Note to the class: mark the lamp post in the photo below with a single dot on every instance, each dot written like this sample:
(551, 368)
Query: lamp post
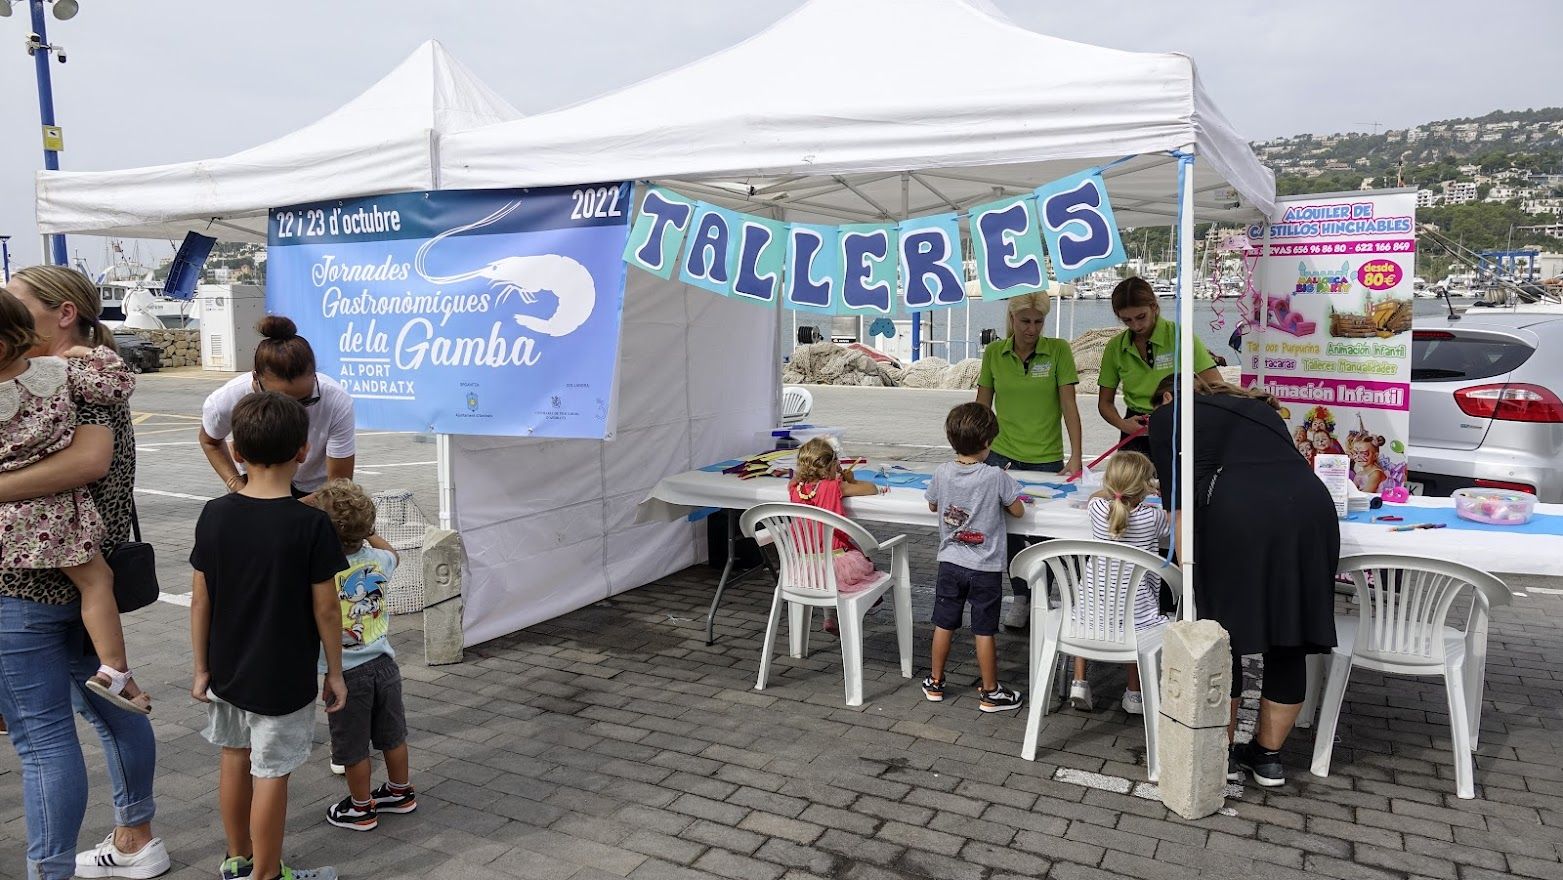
(39, 48)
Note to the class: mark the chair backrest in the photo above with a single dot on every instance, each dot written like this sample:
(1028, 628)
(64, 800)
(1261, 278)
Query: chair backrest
(796, 403)
(803, 537)
(1403, 604)
(1096, 582)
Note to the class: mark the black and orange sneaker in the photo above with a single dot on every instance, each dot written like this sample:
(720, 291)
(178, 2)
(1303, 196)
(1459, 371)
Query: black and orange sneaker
(393, 800)
(933, 690)
(354, 817)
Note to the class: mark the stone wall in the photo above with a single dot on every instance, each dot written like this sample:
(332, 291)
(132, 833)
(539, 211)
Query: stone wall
(181, 348)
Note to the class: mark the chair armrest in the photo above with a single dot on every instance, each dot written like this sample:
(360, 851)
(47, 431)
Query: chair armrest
(891, 543)
(762, 537)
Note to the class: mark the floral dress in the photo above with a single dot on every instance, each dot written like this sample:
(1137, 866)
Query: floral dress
(37, 419)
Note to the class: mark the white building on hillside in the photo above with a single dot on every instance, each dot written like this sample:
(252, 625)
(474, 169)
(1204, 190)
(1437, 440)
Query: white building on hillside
(1459, 192)
(1426, 198)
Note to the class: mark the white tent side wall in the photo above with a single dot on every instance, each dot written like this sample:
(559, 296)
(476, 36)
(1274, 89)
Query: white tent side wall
(549, 525)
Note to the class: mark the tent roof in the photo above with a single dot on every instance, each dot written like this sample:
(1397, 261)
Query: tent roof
(820, 114)
(382, 141)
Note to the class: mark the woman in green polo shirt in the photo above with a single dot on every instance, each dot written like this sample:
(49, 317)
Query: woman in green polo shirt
(1029, 380)
(1139, 358)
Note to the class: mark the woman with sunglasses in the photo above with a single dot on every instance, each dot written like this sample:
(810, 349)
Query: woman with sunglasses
(285, 363)
(1139, 358)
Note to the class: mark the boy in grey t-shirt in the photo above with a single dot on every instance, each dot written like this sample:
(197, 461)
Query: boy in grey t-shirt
(971, 499)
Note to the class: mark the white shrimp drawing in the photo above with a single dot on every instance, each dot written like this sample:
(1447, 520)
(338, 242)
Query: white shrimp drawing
(567, 280)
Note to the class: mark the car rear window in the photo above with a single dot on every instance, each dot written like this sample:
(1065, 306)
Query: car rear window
(1441, 356)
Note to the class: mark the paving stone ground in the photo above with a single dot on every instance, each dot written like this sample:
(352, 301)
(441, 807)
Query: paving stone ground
(612, 742)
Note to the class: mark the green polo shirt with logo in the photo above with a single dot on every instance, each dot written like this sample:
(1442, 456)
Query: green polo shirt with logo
(1025, 397)
(1122, 364)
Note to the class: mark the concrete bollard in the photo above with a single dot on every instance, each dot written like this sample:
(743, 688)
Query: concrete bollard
(1196, 682)
(443, 557)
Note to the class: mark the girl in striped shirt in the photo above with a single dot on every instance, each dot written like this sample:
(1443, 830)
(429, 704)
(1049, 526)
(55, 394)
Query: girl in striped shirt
(1118, 513)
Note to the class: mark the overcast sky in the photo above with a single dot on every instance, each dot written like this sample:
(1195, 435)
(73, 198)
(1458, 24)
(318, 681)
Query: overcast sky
(155, 81)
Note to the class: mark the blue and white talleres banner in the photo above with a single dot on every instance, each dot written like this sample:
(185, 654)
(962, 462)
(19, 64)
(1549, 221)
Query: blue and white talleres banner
(877, 269)
(461, 311)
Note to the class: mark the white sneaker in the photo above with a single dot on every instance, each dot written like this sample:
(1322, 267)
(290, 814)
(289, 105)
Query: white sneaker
(338, 769)
(1018, 614)
(1080, 695)
(1133, 703)
(106, 860)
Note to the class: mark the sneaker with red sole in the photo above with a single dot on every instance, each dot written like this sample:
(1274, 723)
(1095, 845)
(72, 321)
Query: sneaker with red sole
(346, 814)
(389, 800)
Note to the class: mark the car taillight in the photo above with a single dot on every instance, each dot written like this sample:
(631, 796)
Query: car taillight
(1430, 335)
(1500, 484)
(1510, 403)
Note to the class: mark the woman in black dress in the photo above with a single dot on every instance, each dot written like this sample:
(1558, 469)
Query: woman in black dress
(1268, 544)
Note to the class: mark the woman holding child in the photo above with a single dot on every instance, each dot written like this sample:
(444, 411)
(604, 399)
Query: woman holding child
(43, 666)
(1268, 544)
(1029, 381)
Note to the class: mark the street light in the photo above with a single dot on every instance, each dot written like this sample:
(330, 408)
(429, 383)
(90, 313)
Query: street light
(39, 48)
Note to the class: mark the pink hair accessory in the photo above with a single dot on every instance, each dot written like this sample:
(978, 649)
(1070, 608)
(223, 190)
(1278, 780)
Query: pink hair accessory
(1396, 494)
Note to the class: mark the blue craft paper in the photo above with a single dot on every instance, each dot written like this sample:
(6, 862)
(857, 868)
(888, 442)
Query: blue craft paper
(1078, 226)
(710, 259)
(1540, 524)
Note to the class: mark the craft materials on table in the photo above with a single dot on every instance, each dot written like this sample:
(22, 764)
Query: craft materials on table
(1449, 518)
(1498, 507)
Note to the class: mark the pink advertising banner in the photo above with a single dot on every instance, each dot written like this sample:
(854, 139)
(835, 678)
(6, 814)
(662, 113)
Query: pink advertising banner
(1330, 314)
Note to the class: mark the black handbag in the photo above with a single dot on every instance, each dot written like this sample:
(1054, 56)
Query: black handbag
(135, 569)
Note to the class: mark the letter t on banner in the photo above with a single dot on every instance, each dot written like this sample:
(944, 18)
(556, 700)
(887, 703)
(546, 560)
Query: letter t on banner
(869, 262)
(1077, 222)
(1007, 247)
(655, 240)
(931, 273)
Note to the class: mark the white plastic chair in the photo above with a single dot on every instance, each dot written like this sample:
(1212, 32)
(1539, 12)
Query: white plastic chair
(1401, 627)
(797, 403)
(1101, 629)
(803, 536)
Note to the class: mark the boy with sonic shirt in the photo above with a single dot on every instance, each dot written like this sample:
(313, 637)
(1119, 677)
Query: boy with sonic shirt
(263, 595)
(374, 712)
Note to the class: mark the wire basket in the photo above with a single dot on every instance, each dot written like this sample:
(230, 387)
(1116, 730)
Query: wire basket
(400, 521)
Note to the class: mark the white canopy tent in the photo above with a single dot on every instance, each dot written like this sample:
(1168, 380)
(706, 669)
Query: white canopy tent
(385, 140)
(846, 110)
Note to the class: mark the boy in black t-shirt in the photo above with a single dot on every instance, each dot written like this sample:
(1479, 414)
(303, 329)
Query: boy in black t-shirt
(264, 595)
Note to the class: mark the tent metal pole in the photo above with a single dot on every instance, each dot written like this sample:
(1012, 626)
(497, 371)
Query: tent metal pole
(1264, 300)
(447, 484)
(1186, 549)
(906, 203)
(966, 344)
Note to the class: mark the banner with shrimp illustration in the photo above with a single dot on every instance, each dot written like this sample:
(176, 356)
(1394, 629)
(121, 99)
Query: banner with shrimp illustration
(461, 311)
(1329, 318)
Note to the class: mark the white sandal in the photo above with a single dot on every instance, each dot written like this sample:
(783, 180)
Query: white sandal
(114, 691)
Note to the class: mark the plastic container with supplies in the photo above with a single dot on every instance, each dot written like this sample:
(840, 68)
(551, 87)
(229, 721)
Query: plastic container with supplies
(782, 438)
(805, 433)
(1496, 507)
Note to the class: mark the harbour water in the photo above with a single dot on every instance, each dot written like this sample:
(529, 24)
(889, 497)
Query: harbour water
(1214, 321)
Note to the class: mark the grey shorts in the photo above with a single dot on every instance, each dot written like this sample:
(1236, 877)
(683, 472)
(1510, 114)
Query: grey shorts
(278, 744)
(373, 714)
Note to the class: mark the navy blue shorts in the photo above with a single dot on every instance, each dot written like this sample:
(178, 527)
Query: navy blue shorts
(956, 587)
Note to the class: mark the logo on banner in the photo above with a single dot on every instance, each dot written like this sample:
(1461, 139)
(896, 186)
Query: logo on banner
(525, 277)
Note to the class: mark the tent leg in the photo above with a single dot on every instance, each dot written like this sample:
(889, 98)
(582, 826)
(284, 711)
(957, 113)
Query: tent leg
(447, 485)
(1185, 258)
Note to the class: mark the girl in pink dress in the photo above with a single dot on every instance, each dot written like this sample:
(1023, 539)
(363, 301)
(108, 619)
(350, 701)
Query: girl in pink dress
(64, 531)
(820, 481)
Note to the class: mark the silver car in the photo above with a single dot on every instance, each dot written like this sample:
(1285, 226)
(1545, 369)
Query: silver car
(1487, 403)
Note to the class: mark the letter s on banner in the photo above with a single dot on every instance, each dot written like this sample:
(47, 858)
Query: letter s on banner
(658, 233)
(813, 268)
(931, 271)
(1007, 247)
(1077, 222)
(869, 262)
(710, 249)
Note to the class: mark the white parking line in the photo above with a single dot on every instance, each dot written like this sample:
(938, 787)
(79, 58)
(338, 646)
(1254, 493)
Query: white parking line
(172, 494)
(175, 598)
(1548, 590)
(405, 464)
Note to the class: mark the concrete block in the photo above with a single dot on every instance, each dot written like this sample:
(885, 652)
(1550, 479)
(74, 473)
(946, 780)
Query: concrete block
(1196, 674)
(1193, 768)
(443, 558)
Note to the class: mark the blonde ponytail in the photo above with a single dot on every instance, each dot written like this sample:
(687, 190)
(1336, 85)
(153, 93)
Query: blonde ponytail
(1127, 482)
